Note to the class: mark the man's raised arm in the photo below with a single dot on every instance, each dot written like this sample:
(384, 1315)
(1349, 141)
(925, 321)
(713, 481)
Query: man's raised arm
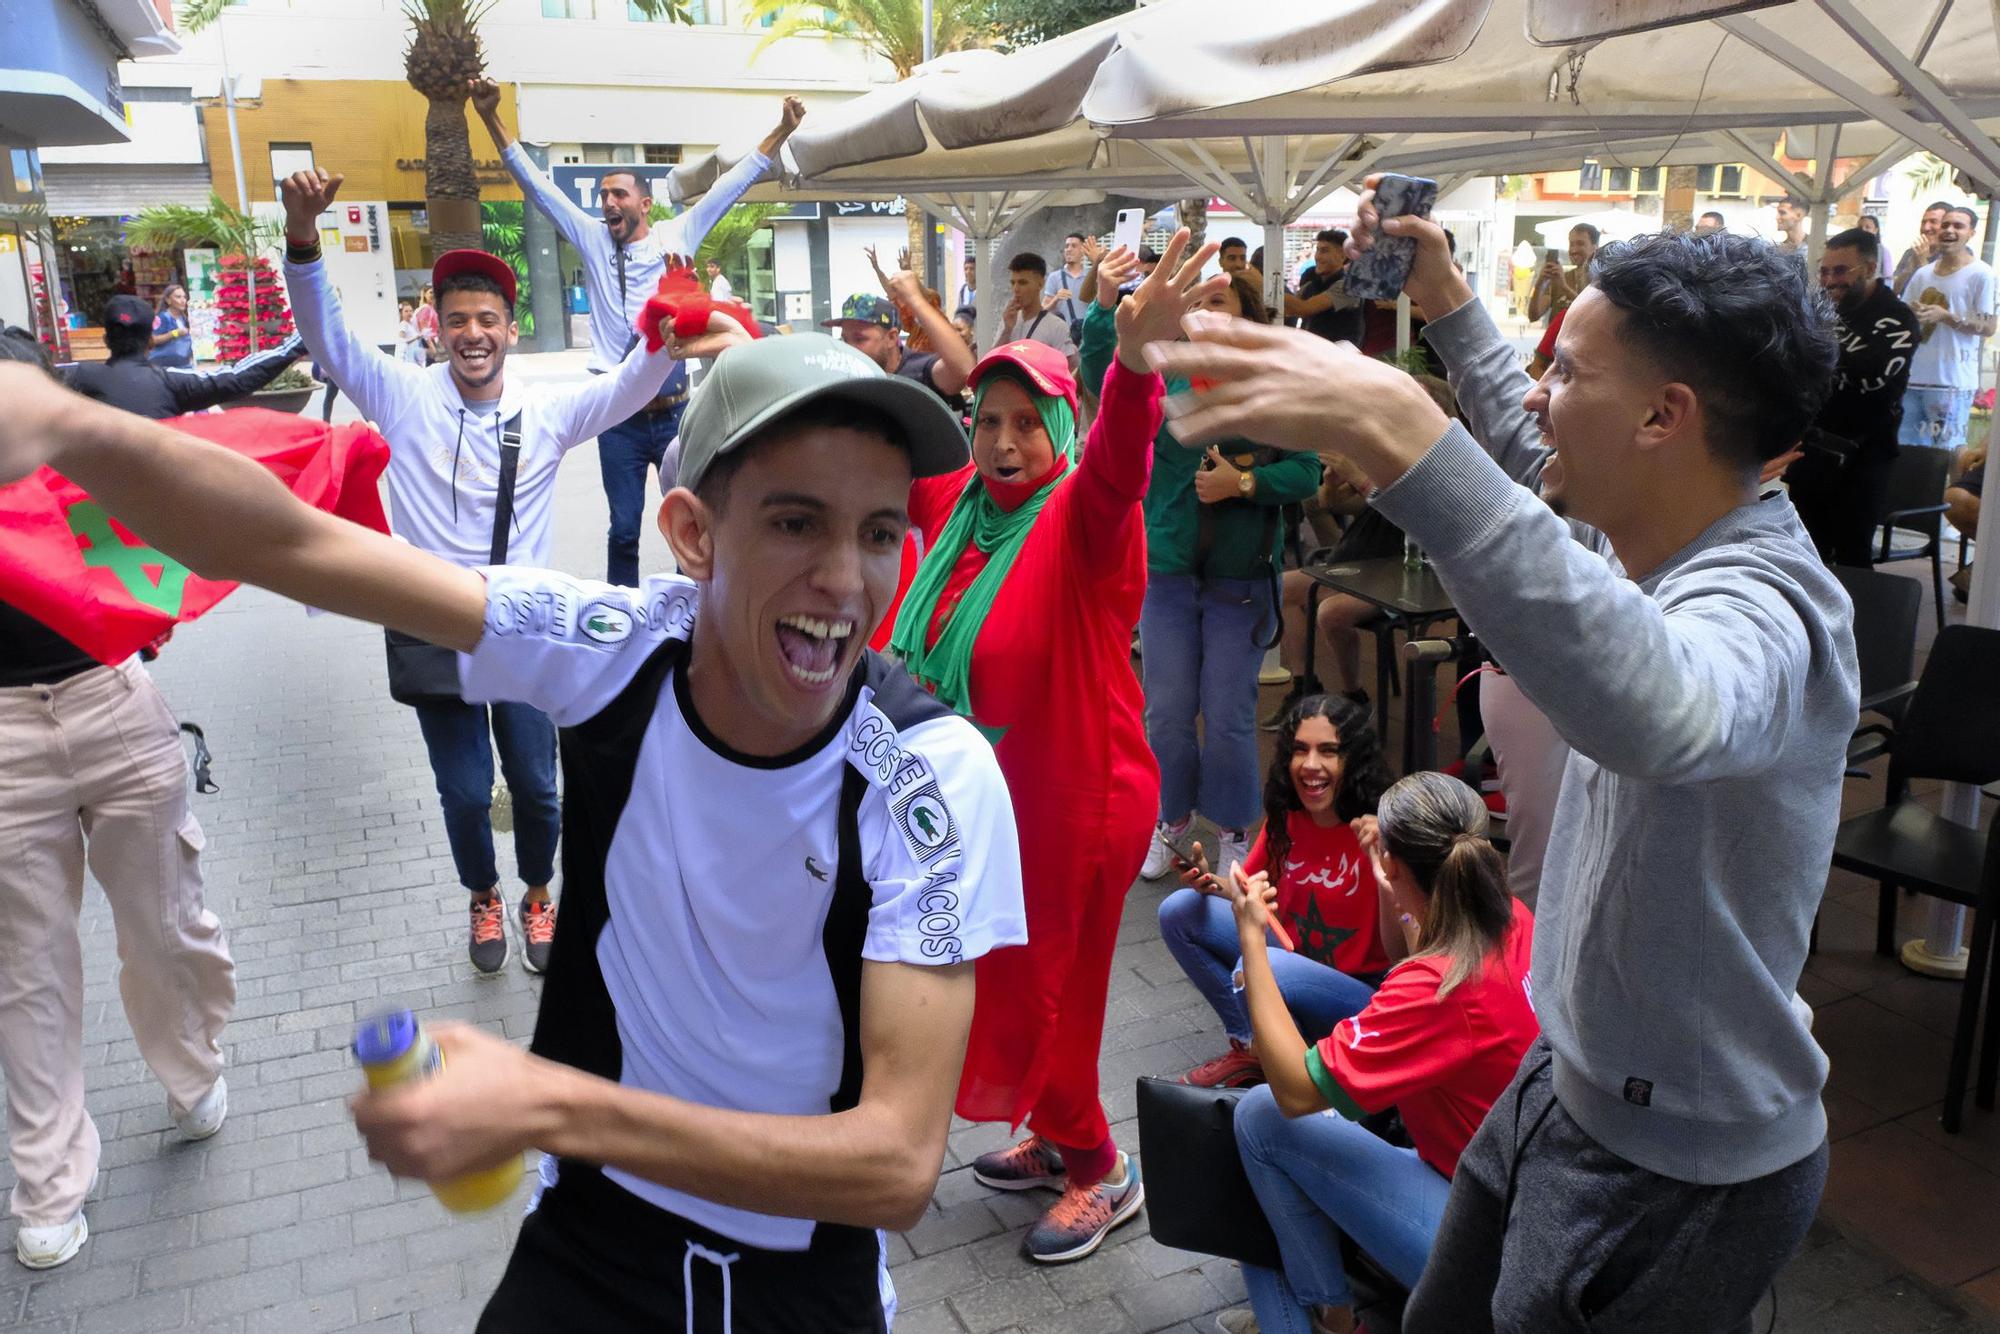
(683, 235)
(568, 216)
(225, 517)
(378, 383)
(1484, 369)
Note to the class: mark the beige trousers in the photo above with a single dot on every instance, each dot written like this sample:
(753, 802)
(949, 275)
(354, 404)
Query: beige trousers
(92, 770)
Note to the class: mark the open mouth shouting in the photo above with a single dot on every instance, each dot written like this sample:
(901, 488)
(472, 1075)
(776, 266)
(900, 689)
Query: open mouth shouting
(811, 648)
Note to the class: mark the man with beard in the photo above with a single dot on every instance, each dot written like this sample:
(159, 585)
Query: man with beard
(1840, 486)
(624, 255)
(472, 470)
(1923, 250)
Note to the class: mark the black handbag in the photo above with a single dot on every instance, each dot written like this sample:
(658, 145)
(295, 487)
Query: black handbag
(421, 672)
(1197, 1196)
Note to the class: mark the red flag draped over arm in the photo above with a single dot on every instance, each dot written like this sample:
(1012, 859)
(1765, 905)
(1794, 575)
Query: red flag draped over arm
(68, 564)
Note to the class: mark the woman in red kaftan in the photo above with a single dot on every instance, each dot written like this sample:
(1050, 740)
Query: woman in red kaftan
(1043, 665)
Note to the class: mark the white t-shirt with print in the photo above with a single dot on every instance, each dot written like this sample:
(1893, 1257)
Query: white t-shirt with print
(722, 865)
(1949, 358)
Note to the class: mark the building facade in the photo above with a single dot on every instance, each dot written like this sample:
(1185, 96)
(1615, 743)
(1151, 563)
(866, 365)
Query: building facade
(60, 87)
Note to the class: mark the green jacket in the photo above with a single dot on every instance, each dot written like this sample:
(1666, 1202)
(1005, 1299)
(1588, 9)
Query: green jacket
(1245, 536)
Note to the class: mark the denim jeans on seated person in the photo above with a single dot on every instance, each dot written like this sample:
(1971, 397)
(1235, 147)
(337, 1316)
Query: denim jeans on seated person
(1200, 932)
(1320, 1176)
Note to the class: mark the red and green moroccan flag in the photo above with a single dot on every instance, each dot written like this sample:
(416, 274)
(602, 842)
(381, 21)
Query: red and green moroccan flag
(80, 572)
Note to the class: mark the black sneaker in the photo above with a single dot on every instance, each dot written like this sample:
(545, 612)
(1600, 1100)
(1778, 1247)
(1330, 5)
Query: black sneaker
(488, 948)
(538, 933)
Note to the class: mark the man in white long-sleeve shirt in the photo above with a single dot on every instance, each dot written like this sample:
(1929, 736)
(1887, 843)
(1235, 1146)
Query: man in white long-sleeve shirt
(623, 257)
(459, 436)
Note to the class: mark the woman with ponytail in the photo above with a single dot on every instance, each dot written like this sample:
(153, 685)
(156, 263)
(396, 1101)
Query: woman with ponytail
(1020, 616)
(1439, 1041)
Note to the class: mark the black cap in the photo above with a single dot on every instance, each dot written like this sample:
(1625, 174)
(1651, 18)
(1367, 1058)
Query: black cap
(128, 312)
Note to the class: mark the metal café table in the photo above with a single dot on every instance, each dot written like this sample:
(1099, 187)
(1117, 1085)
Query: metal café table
(1411, 600)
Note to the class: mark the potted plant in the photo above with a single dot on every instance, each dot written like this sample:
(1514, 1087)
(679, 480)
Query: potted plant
(290, 392)
(249, 283)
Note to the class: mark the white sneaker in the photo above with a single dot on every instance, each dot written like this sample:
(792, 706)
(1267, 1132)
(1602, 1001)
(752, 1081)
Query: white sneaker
(206, 1116)
(1159, 856)
(1231, 847)
(47, 1247)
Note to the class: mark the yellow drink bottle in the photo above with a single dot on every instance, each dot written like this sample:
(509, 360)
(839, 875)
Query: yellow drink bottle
(393, 1048)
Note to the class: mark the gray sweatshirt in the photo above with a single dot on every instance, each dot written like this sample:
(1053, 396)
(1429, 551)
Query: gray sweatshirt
(1707, 707)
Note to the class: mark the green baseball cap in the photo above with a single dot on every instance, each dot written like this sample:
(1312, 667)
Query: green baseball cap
(753, 384)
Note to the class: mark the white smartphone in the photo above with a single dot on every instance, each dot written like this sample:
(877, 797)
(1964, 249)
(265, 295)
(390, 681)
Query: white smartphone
(1131, 229)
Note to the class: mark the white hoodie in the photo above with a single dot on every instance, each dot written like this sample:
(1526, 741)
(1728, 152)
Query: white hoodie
(444, 457)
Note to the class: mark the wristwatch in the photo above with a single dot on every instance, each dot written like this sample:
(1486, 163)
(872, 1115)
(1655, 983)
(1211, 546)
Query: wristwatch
(1246, 483)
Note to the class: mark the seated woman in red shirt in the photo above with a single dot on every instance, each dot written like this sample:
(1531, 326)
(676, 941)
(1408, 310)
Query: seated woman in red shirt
(1439, 1042)
(1326, 771)
(1020, 617)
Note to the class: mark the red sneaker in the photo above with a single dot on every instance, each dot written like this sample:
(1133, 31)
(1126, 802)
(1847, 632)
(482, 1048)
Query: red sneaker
(1237, 1068)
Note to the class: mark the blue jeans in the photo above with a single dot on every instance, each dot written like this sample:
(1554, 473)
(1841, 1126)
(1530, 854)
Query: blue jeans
(462, 762)
(1197, 640)
(624, 453)
(1317, 1177)
(1200, 931)
(1935, 418)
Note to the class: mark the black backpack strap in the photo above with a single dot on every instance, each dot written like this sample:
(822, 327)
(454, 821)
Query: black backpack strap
(503, 505)
(845, 932)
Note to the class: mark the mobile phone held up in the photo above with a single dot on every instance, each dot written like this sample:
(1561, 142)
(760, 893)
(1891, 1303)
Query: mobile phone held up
(1131, 229)
(1378, 273)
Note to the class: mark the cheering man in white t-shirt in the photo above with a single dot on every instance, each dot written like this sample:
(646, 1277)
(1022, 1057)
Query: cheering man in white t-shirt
(780, 855)
(1953, 298)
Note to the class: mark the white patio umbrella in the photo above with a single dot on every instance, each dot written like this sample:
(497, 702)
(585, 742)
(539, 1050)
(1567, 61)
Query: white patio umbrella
(1613, 224)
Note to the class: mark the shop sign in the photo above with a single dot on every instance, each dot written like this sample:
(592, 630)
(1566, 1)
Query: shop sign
(812, 210)
(578, 181)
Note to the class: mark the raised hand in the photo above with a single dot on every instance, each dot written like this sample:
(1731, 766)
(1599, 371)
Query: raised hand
(1114, 270)
(1093, 249)
(1154, 310)
(485, 97)
(902, 285)
(307, 194)
(1432, 272)
(788, 120)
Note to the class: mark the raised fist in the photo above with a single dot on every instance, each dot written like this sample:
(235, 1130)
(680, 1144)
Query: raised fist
(307, 194)
(485, 97)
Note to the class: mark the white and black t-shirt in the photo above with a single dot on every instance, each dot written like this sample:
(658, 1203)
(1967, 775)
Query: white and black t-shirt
(731, 899)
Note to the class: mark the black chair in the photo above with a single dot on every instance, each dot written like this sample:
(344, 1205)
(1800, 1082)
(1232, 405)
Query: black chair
(1916, 505)
(1886, 607)
(1950, 732)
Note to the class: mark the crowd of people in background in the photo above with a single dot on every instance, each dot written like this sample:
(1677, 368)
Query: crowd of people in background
(1083, 541)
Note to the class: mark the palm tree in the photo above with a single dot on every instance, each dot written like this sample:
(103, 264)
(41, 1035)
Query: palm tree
(442, 58)
(892, 29)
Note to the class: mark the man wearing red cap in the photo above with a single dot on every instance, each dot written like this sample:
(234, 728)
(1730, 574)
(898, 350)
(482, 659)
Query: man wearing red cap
(472, 467)
(1020, 617)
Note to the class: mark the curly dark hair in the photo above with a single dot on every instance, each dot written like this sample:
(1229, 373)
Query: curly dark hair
(1734, 320)
(1362, 780)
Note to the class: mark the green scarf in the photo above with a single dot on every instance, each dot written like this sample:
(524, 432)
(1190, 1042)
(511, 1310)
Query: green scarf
(946, 667)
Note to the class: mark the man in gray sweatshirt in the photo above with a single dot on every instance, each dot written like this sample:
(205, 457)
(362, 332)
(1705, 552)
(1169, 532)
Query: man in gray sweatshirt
(1662, 1151)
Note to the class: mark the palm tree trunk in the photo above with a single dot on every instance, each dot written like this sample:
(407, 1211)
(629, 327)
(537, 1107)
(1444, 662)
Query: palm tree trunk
(1193, 215)
(451, 189)
(920, 227)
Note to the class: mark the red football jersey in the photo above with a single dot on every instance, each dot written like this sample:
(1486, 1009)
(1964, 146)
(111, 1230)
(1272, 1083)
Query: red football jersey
(1327, 897)
(1442, 1061)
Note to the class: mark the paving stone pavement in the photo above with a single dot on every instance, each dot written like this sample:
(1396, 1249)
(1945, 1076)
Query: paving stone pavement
(326, 860)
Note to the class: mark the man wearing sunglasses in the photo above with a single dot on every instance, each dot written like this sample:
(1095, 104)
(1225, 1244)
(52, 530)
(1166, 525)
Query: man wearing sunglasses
(1841, 485)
